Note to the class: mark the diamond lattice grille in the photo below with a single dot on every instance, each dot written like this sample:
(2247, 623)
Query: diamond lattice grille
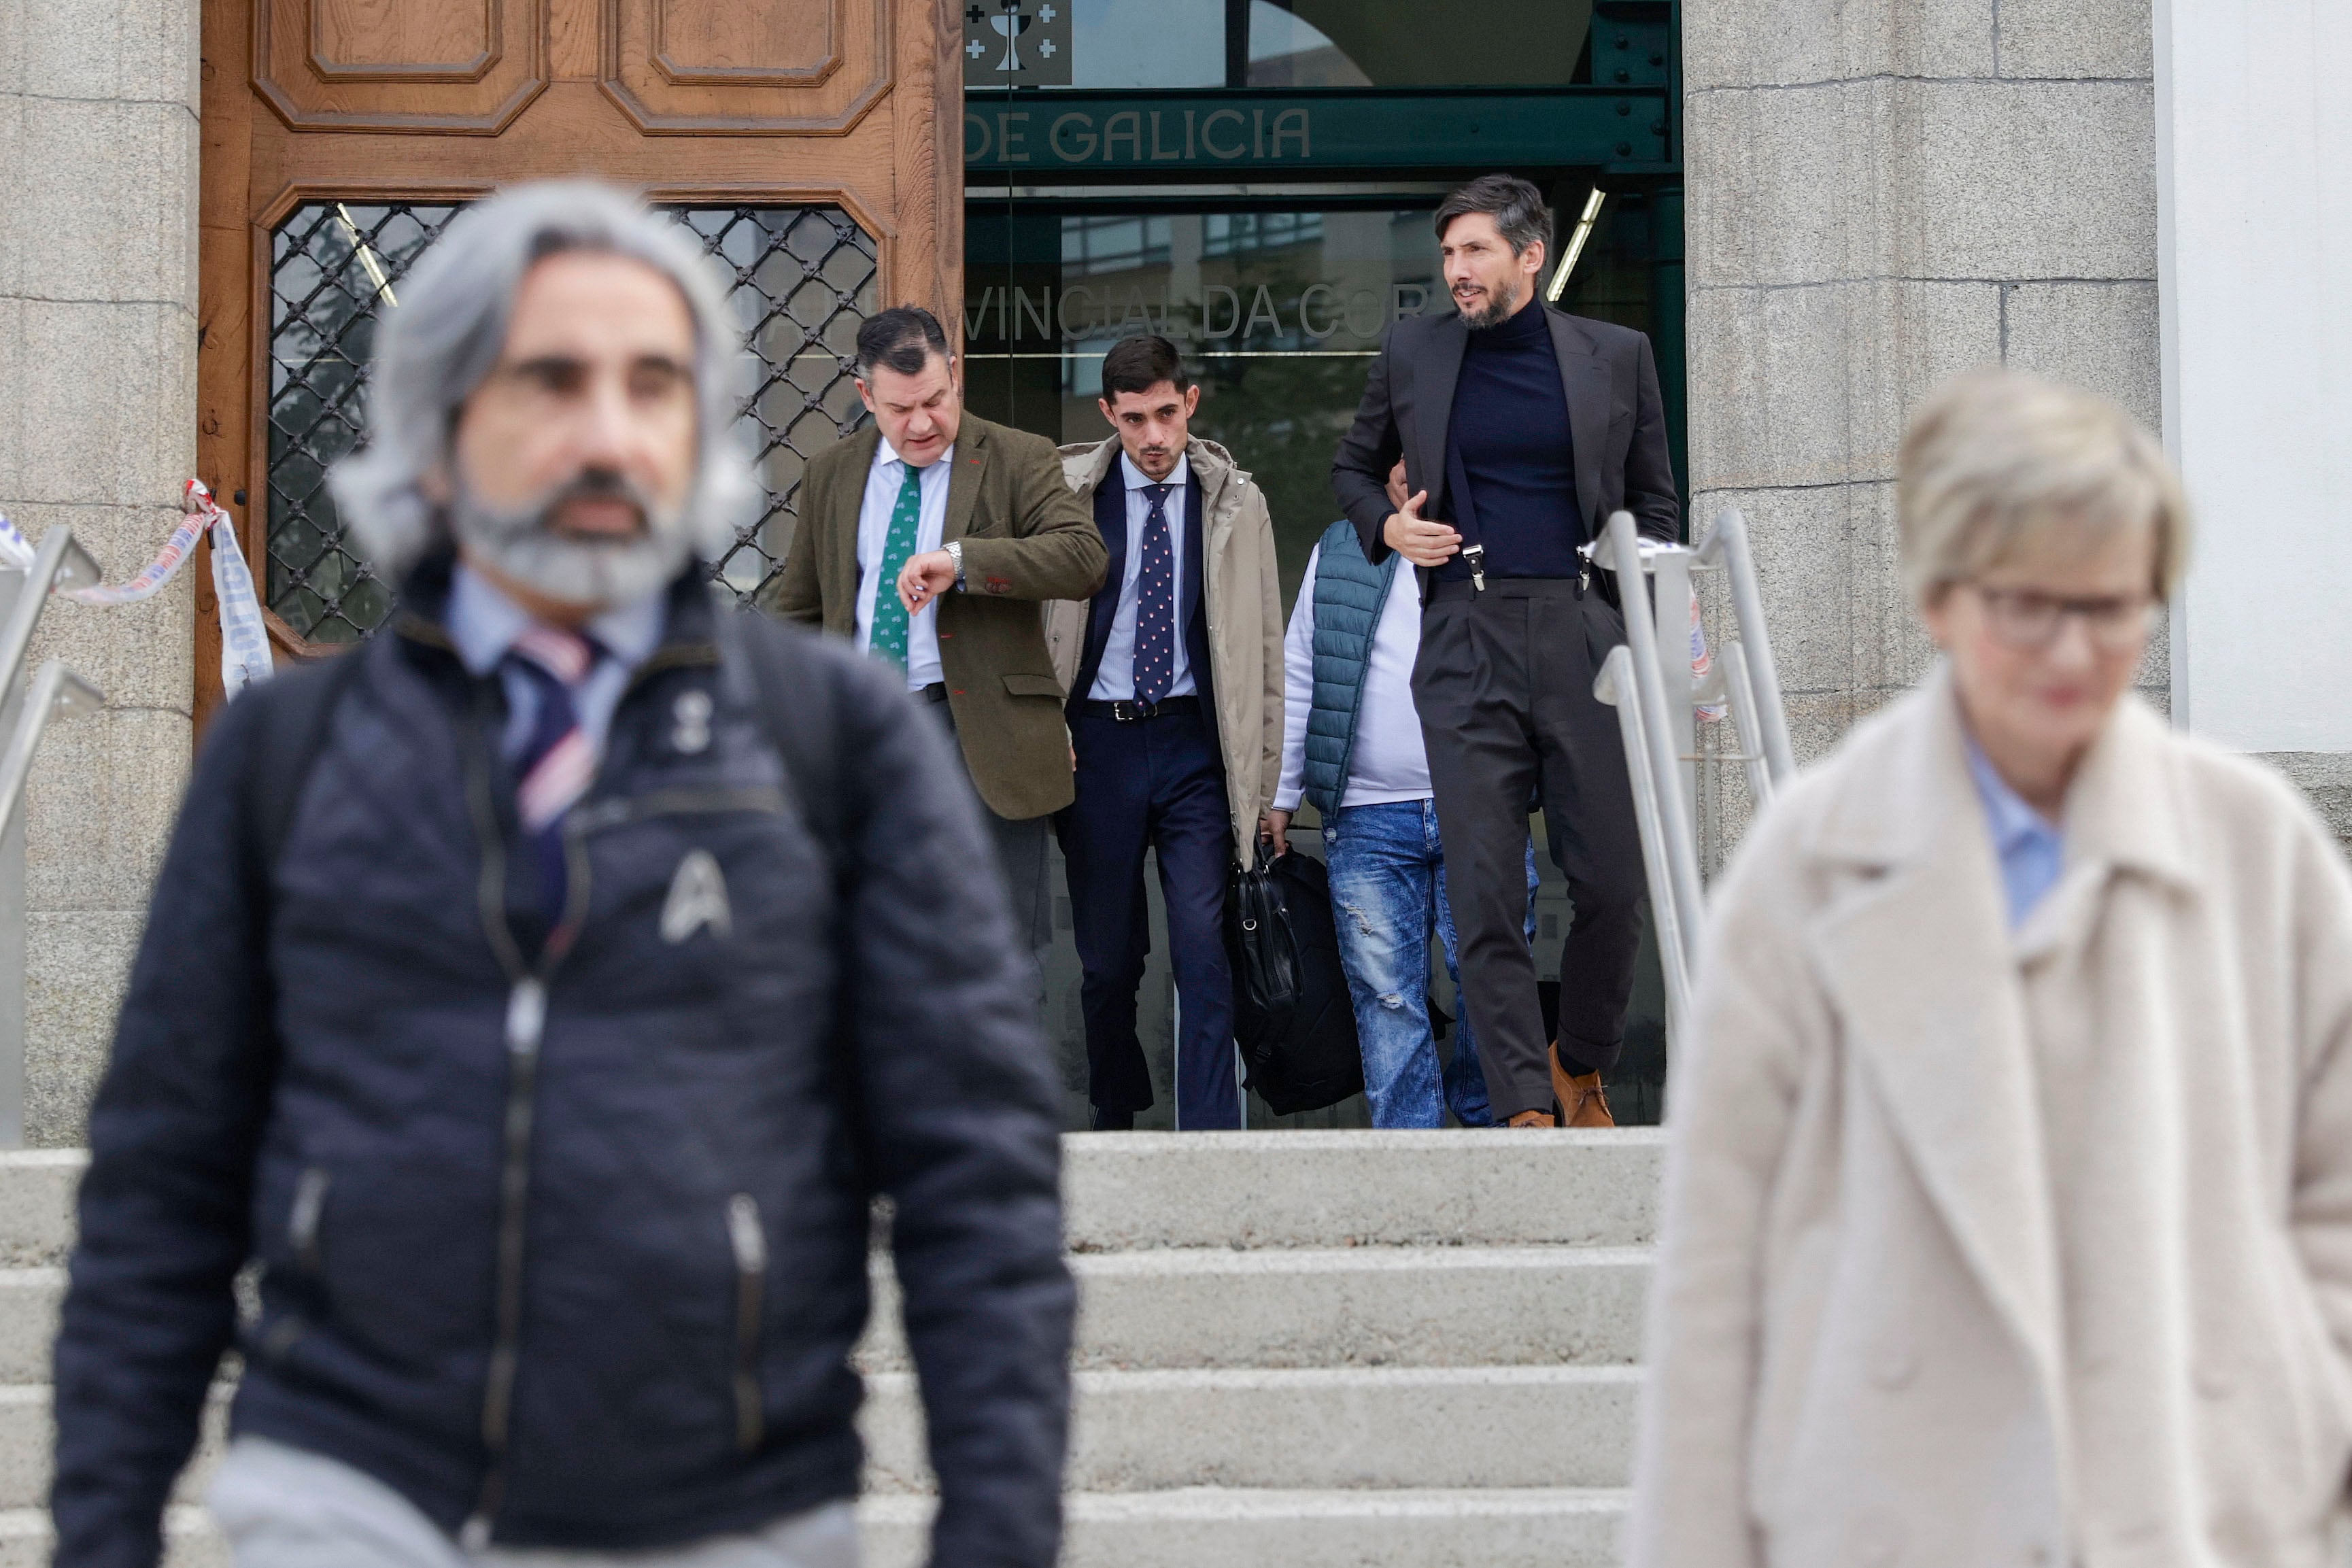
(802, 280)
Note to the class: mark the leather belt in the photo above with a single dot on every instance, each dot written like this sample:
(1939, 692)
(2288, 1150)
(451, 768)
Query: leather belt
(1129, 713)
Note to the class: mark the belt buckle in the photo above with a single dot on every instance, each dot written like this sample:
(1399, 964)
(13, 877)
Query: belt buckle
(1126, 712)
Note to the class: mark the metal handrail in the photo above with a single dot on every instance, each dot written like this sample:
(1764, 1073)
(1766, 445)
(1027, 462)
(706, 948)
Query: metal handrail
(1740, 689)
(57, 693)
(1675, 950)
(60, 562)
(1727, 545)
(1656, 702)
(1673, 812)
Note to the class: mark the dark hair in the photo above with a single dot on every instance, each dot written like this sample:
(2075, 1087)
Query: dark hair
(1517, 207)
(1138, 364)
(903, 338)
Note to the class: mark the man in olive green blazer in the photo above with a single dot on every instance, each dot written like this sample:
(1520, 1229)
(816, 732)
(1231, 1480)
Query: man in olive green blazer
(931, 538)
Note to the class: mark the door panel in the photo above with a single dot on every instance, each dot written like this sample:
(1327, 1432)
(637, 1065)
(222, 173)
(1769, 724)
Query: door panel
(468, 66)
(361, 41)
(798, 139)
(723, 68)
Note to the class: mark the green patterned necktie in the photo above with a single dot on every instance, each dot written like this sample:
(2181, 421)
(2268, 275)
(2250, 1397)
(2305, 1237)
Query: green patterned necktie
(887, 637)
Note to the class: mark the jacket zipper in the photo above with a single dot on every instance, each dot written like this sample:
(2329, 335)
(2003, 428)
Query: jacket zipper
(525, 1025)
(302, 1220)
(750, 1244)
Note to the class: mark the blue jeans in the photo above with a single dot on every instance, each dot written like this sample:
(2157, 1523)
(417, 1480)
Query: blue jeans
(1388, 877)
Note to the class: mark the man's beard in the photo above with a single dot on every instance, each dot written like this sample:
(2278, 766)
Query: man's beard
(601, 571)
(1493, 313)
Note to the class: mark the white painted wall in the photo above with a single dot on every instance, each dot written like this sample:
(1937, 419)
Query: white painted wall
(2255, 260)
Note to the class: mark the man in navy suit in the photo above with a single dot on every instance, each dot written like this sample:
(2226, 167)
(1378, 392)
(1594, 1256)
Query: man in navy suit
(1174, 674)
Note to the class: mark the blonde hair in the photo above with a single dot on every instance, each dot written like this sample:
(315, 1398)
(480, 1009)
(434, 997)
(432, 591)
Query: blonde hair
(1997, 457)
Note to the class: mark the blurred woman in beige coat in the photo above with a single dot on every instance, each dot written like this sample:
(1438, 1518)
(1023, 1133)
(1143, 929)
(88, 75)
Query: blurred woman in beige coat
(2009, 1213)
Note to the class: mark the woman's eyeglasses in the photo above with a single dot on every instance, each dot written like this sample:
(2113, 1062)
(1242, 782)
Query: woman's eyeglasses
(2029, 619)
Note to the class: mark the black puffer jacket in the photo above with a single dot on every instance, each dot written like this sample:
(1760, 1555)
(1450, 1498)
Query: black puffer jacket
(567, 1231)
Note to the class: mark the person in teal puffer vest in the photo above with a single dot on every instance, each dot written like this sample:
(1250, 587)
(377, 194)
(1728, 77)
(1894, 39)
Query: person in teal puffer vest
(1351, 744)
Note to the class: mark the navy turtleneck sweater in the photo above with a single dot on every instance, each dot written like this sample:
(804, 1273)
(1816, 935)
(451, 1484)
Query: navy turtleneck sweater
(1509, 461)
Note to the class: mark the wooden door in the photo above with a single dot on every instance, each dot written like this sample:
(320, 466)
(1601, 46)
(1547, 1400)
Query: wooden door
(809, 142)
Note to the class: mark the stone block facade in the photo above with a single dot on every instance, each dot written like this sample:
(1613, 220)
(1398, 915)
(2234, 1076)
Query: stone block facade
(1882, 194)
(98, 351)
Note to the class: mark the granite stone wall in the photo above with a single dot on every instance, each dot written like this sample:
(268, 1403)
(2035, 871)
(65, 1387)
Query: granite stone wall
(98, 348)
(1882, 193)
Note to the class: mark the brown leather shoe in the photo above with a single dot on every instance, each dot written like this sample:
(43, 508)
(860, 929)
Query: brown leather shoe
(1534, 1119)
(1582, 1101)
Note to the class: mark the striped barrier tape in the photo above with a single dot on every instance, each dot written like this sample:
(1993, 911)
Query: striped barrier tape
(245, 641)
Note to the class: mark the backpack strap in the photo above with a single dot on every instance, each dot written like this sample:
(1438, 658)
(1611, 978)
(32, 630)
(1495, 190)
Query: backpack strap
(303, 709)
(796, 700)
(796, 703)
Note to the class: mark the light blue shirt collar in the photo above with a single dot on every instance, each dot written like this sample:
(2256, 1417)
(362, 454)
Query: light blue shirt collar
(484, 624)
(2029, 847)
(1178, 477)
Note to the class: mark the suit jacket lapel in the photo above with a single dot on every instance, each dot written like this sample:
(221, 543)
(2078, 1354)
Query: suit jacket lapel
(1433, 381)
(1587, 382)
(1919, 965)
(1189, 588)
(971, 459)
(837, 530)
(1110, 521)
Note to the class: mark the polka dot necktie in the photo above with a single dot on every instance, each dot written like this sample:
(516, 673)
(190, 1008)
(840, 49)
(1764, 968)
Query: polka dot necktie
(887, 639)
(1155, 603)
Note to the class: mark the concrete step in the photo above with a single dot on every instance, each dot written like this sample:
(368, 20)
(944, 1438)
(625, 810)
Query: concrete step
(1124, 1190)
(1198, 1307)
(191, 1538)
(1196, 1527)
(26, 1435)
(1310, 1429)
(1366, 1306)
(1155, 1431)
(1148, 1431)
(28, 1321)
(37, 1194)
(1217, 1527)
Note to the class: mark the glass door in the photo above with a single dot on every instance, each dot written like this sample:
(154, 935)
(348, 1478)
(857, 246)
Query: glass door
(1254, 180)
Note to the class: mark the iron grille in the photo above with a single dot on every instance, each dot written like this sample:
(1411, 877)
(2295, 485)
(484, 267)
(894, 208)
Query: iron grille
(802, 280)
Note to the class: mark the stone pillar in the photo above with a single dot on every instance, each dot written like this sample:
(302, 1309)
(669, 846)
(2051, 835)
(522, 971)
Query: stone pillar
(98, 348)
(1882, 192)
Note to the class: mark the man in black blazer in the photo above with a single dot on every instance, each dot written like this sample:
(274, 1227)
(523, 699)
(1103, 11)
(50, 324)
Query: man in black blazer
(1523, 429)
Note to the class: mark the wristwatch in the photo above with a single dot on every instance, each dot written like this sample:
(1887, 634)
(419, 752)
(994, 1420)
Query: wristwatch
(955, 554)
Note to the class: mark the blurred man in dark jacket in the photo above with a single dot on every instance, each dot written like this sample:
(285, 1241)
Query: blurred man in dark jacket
(540, 994)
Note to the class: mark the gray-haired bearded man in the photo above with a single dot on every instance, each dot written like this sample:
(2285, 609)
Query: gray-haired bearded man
(540, 994)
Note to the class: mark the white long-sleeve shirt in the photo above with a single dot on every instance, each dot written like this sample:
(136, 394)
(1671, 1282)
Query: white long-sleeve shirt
(1388, 762)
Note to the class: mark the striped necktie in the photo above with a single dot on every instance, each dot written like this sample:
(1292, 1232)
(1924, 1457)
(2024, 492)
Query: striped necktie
(557, 764)
(887, 635)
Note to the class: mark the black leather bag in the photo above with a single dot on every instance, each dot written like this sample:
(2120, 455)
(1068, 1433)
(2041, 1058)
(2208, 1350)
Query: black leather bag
(1292, 1014)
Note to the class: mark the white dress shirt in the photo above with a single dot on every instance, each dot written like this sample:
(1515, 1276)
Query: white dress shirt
(1388, 762)
(883, 481)
(1115, 677)
(484, 624)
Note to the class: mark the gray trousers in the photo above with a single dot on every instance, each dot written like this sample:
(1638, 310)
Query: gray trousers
(1504, 686)
(287, 1508)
